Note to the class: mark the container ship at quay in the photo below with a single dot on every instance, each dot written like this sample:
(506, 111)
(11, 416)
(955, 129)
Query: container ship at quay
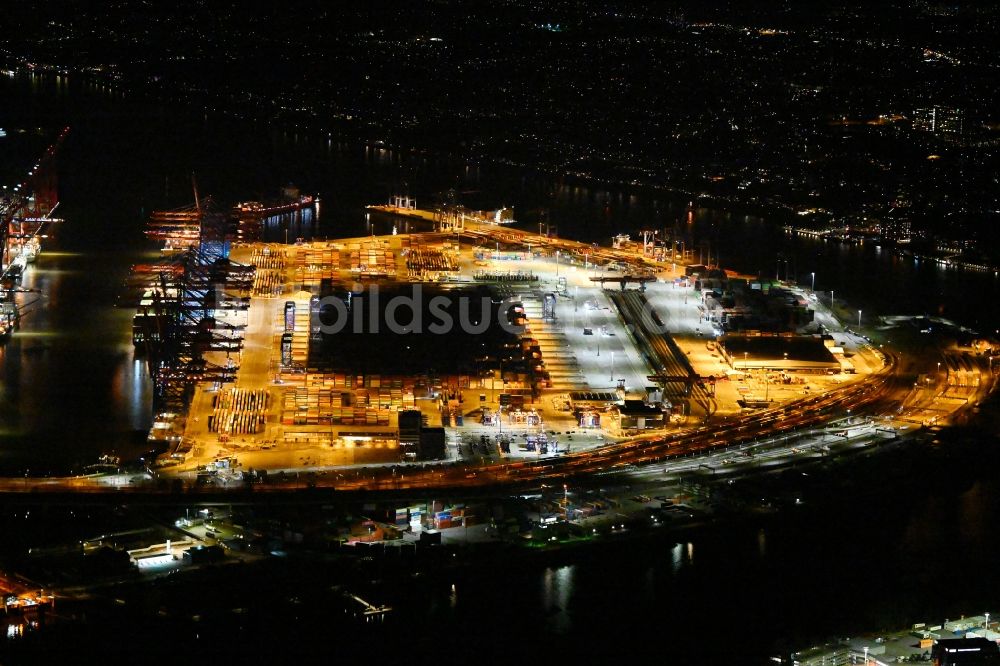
(26, 219)
(291, 209)
(260, 210)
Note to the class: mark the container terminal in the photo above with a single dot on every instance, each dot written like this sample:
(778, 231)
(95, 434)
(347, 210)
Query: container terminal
(613, 387)
(593, 357)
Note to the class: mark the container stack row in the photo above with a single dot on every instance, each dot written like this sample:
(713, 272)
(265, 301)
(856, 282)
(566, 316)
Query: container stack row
(372, 258)
(313, 264)
(308, 405)
(239, 411)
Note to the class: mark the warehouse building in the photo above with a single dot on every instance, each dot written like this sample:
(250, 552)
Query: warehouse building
(786, 353)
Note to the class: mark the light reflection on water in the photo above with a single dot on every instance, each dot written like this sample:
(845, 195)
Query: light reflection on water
(299, 224)
(71, 386)
(676, 557)
(557, 594)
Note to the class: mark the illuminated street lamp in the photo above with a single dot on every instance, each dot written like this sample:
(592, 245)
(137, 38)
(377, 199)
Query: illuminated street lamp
(859, 318)
(557, 263)
(499, 407)
(785, 367)
(813, 287)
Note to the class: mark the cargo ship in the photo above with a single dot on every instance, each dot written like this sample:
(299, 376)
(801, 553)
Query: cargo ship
(251, 216)
(291, 201)
(256, 209)
(26, 210)
(21, 255)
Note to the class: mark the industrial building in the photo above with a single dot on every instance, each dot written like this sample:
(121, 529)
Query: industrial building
(733, 303)
(417, 440)
(956, 651)
(786, 353)
(637, 415)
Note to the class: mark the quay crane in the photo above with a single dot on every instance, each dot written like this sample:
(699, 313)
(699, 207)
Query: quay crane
(187, 302)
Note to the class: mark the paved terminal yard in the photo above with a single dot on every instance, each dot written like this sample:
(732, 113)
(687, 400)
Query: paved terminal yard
(283, 414)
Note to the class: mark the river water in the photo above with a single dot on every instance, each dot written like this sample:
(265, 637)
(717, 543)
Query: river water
(72, 387)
